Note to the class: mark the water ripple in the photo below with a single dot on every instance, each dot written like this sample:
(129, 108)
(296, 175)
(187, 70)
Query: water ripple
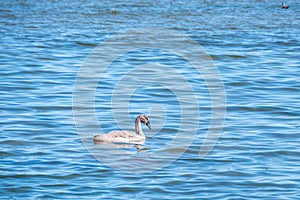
(43, 45)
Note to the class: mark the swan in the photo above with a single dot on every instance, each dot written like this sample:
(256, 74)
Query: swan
(284, 6)
(126, 136)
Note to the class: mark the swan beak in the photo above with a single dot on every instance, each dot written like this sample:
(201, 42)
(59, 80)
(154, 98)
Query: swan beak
(148, 124)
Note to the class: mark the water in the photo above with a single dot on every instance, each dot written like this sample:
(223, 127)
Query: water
(256, 47)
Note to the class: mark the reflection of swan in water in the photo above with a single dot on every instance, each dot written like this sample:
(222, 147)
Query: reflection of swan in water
(126, 136)
(124, 146)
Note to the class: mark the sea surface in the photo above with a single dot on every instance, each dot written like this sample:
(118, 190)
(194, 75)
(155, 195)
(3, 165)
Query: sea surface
(50, 107)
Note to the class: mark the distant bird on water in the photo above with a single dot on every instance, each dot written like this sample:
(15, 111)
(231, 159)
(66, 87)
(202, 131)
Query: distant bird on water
(126, 136)
(284, 6)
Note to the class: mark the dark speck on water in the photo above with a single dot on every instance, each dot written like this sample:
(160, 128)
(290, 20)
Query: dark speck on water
(256, 47)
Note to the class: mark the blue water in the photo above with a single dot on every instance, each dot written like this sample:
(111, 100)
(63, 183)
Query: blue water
(256, 48)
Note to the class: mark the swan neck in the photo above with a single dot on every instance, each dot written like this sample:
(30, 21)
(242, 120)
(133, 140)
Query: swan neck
(138, 127)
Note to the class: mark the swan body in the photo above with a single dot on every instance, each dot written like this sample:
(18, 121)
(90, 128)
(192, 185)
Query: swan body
(126, 136)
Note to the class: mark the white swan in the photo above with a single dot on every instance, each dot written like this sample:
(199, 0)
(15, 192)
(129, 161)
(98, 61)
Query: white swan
(126, 136)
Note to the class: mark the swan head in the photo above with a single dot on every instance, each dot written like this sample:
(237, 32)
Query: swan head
(145, 120)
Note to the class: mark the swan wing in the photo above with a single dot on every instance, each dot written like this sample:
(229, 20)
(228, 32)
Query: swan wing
(121, 134)
(125, 137)
(120, 137)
